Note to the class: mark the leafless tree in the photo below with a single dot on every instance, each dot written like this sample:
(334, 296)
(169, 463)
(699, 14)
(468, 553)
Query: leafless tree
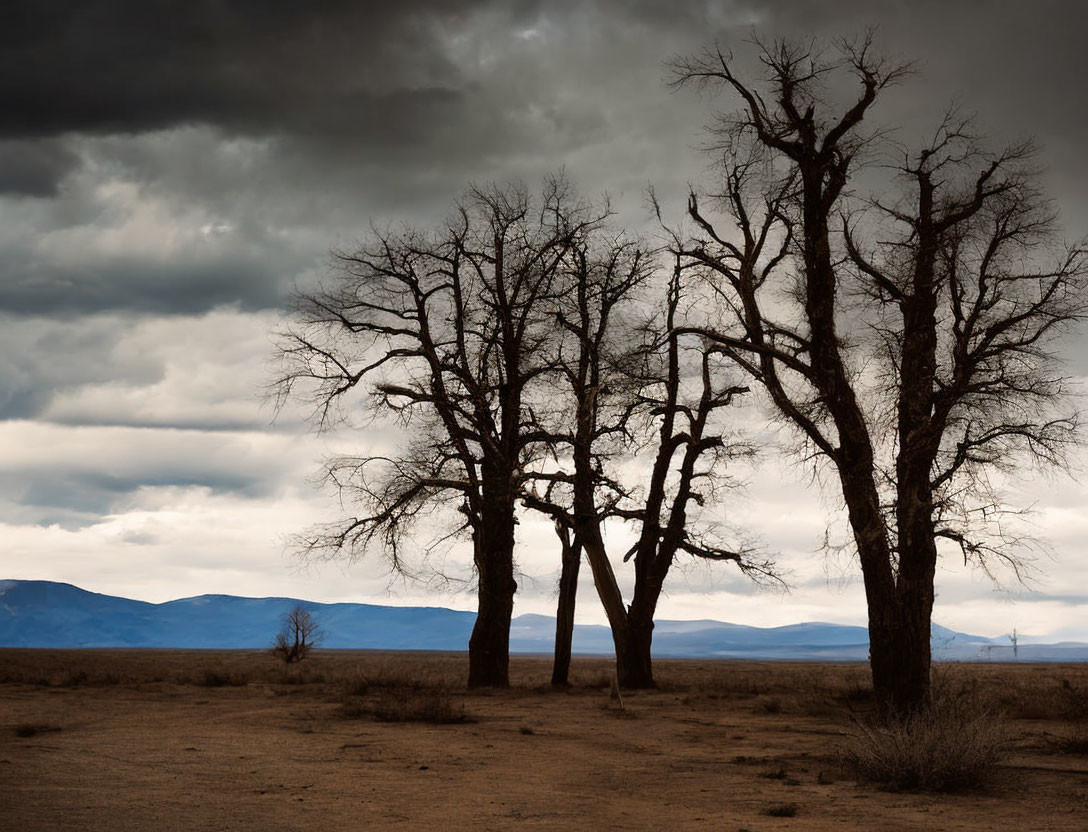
(592, 412)
(963, 290)
(448, 330)
(665, 385)
(299, 635)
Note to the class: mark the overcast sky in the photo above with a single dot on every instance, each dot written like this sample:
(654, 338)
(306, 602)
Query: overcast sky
(169, 171)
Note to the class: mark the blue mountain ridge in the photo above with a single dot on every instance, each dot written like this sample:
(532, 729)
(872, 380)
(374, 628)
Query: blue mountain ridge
(59, 615)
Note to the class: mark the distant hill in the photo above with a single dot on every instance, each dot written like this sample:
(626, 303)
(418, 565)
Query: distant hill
(49, 614)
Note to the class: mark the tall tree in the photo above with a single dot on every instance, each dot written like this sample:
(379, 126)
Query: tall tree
(659, 393)
(447, 331)
(965, 292)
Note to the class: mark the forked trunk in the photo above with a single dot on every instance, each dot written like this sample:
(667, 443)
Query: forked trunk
(608, 590)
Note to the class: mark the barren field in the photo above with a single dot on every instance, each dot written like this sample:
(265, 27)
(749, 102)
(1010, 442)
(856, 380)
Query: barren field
(148, 740)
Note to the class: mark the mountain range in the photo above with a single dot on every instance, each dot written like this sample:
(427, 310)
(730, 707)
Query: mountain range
(59, 615)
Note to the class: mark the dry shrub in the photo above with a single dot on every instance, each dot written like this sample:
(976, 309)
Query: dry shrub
(1075, 710)
(32, 729)
(783, 810)
(401, 672)
(432, 705)
(355, 684)
(217, 678)
(402, 704)
(954, 743)
(772, 705)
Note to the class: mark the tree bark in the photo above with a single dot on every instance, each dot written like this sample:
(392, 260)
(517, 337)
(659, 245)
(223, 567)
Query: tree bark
(634, 665)
(899, 652)
(489, 646)
(564, 616)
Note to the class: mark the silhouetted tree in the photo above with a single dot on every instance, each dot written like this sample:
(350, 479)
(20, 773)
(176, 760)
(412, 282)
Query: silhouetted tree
(448, 330)
(964, 291)
(570, 566)
(299, 635)
(671, 390)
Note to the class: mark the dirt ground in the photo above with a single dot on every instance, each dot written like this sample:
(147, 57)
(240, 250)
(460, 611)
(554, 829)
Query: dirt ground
(150, 740)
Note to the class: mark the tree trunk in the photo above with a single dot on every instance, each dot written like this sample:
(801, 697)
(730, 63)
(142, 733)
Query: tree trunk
(905, 678)
(899, 654)
(634, 666)
(608, 590)
(564, 616)
(489, 646)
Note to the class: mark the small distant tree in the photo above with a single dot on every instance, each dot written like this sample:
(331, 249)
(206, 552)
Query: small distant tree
(298, 636)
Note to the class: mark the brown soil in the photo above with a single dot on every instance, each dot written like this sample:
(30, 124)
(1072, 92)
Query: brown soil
(149, 740)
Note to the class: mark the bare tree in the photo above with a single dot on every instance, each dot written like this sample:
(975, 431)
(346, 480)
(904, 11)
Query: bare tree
(570, 567)
(964, 292)
(448, 330)
(673, 389)
(594, 408)
(299, 635)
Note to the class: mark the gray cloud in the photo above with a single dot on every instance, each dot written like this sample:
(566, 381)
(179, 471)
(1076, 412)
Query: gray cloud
(128, 66)
(34, 168)
(73, 477)
(294, 125)
(169, 171)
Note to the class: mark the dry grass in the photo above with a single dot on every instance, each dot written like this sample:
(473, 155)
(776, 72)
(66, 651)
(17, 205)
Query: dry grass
(414, 705)
(782, 810)
(731, 744)
(955, 743)
(1073, 739)
(32, 729)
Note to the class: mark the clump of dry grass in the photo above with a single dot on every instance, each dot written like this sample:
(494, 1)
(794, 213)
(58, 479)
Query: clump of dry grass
(954, 743)
(1074, 740)
(433, 705)
(782, 810)
(32, 729)
(355, 683)
(387, 701)
(219, 678)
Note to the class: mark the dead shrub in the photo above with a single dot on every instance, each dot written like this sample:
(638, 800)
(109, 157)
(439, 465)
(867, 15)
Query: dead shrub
(356, 684)
(1074, 709)
(73, 679)
(783, 810)
(772, 705)
(215, 678)
(32, 729)
(402, 704)
(433, 705)
(954, 743)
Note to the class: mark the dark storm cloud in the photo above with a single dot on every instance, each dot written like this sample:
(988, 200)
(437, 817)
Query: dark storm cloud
(401, 78)
(250, 65)
(184, 285)
(347, 112)
(34, 168)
